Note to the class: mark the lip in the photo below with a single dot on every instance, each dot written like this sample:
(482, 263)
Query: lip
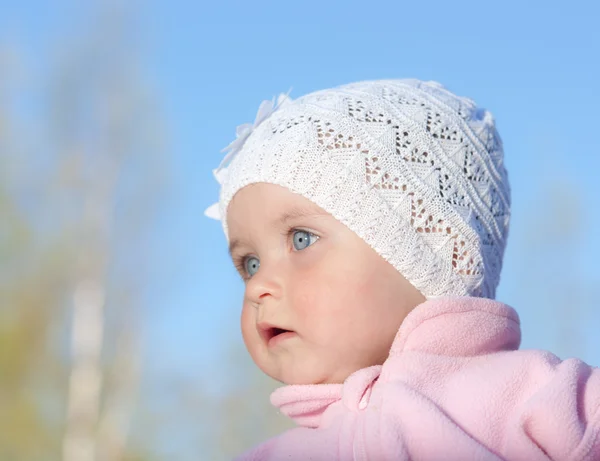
(272, 335)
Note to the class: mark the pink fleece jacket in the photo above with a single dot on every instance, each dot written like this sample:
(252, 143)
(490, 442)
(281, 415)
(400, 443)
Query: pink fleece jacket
(454, 387)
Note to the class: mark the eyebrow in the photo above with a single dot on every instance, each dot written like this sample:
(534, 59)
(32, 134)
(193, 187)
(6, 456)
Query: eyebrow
(295, 212)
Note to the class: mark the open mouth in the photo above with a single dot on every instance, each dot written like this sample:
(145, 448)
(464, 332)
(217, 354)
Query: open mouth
(274, 332)
(271, 334)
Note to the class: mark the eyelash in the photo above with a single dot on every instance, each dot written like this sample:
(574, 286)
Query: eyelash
(240, 261)
(240, 265)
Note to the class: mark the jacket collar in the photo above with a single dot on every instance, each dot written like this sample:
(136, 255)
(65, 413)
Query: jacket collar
(449, 326)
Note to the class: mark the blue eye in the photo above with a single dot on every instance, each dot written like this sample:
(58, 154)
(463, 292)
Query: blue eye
(251, 265)
(303, 239)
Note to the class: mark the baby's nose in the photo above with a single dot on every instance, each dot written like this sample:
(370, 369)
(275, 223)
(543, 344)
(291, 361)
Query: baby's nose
(264, 284)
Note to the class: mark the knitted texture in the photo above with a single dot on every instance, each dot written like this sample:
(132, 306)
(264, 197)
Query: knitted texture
(414, 170)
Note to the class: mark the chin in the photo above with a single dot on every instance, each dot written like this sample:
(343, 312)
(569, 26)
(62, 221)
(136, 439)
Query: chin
(295, 378)
(311, 378)
(307, 374)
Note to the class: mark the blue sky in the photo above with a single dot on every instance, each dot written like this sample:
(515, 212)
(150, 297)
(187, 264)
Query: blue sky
(533, 64)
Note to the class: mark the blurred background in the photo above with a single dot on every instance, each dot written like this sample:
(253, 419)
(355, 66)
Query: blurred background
(119, 307)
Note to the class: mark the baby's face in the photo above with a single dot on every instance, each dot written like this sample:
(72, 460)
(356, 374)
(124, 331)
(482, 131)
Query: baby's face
(319, 303)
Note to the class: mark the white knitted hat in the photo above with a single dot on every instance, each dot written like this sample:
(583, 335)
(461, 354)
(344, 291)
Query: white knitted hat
(414, 170)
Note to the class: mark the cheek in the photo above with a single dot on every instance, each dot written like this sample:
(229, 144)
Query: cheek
(325, 291)
(309, 296)
(344, 293)
(306, 298)
(248, 324)
(365, 276)
(347, 281)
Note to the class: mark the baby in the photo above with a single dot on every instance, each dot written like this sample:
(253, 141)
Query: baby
(369, 223)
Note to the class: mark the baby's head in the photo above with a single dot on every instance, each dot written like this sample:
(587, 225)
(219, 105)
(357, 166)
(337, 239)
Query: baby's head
(348, 207)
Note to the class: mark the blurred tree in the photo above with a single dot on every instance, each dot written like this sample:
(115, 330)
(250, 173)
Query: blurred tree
(74, 205)
(29, 296)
